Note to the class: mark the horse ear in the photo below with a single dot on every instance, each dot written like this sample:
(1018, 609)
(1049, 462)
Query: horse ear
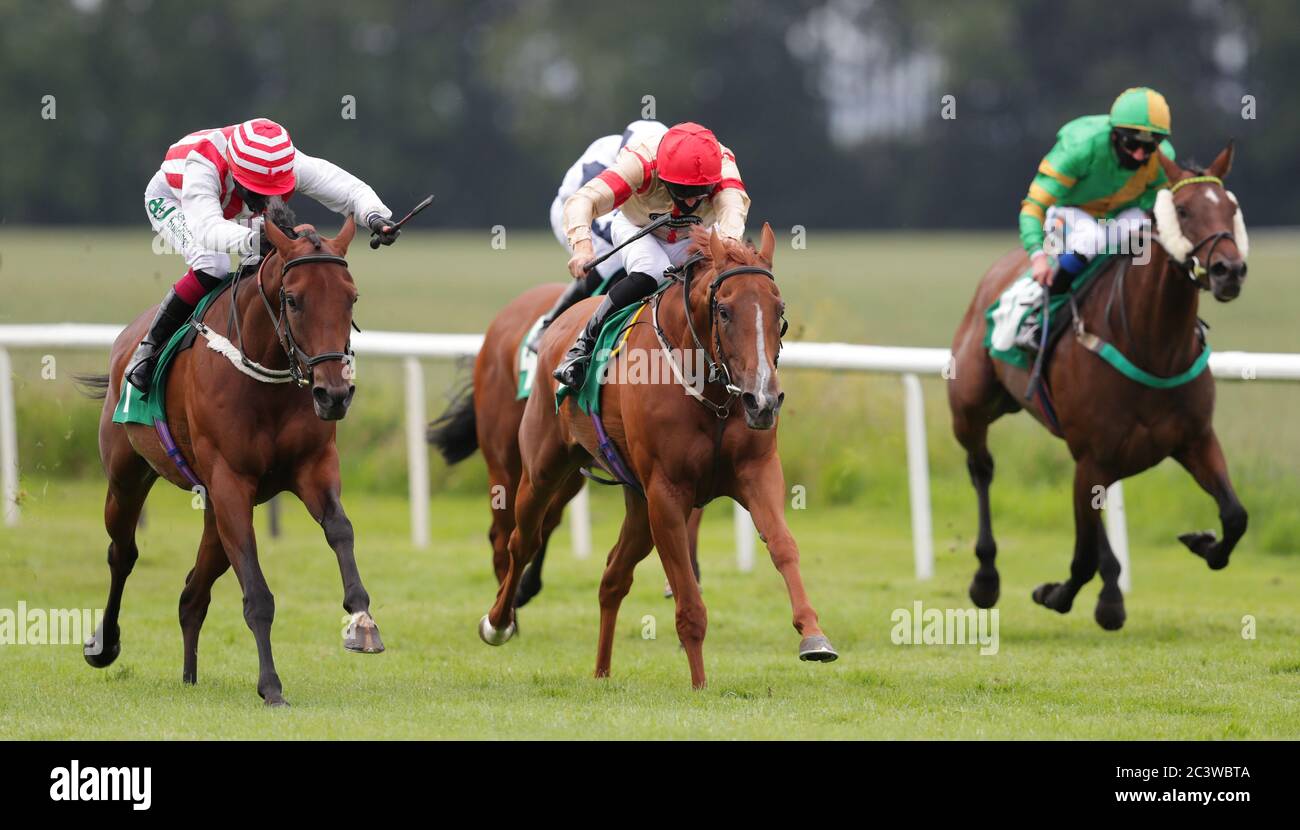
(276, 236)
(1223, 162)
(768, 246)
(717, 250)
(344, 238)
(1172, 171)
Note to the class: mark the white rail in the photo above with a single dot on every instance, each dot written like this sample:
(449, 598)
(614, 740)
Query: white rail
(910, 363)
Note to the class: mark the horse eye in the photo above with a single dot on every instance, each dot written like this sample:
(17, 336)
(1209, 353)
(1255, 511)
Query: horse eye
(1182, 212)
(724, 314)
(290, 301)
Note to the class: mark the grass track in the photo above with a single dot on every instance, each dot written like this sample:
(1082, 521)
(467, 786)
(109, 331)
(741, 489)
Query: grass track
(1180, 668)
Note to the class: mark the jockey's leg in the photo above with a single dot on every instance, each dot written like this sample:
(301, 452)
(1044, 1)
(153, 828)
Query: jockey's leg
(635, 287)
(643, 258)
(206, 268)
(1081, 238)
(1074, 237)
(175, 309)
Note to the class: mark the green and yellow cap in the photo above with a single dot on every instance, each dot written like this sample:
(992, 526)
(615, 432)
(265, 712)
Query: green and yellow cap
(1141, 108)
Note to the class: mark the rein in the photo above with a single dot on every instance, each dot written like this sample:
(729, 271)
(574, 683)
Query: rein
(300, 363)
(718, 369)
(1112, 355)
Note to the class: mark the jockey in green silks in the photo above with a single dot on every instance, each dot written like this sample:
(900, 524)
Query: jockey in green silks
(1094, 188)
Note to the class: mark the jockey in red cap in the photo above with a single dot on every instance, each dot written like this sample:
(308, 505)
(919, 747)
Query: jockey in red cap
(685, 173)
(207, 202)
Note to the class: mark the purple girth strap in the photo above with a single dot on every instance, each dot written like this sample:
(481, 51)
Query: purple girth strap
(613, 461)
(174, 452)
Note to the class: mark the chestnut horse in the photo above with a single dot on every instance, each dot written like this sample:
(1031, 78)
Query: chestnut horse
(682, 452)
(244, 440)
(486, 415)
(1114, 426)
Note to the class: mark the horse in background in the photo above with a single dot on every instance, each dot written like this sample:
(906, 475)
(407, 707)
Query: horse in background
(1116, 427)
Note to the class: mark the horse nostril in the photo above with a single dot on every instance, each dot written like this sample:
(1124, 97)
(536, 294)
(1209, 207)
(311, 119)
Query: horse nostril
(322, 397)
(750, 402)
(1219, 269)
(780, 399)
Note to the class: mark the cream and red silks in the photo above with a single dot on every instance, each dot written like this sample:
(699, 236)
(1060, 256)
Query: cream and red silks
(633, 186)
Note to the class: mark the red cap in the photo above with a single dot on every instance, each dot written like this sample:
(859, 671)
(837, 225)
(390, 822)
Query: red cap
(690, 154)
(261, 156)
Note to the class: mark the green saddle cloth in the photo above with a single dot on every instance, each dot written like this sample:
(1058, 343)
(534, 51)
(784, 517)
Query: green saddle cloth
(135, 407)
(1020, 305)
(588, 397)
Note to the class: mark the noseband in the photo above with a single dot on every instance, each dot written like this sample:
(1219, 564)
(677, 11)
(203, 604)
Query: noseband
(300, 363)
(718, 370)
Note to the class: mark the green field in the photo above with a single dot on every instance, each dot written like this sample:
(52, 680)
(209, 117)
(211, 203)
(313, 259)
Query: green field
(1180, 668)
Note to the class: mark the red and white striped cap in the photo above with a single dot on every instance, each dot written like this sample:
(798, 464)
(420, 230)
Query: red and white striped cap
(261, 156)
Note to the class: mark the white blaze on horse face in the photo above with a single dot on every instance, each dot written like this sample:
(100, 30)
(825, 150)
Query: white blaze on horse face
(1239, 228)
(764, 367)
(1212, 196)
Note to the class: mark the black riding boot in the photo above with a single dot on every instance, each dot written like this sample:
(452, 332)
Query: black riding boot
(573, 371)
(635, 286)
(575, 292)
(171, 315)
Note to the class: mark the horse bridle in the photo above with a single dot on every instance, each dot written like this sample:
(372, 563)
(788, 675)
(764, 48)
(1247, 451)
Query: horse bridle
(300, 363)
(719, 372)
(1192, 264)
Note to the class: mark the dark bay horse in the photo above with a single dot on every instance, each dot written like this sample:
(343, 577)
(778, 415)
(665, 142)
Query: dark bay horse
(486, 415)
(1116, 427)
(682, 451)
(245, 441)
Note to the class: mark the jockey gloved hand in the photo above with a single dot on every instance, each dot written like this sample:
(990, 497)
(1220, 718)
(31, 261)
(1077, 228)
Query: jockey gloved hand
(384, 228)
(1042, 268)
(582, 254)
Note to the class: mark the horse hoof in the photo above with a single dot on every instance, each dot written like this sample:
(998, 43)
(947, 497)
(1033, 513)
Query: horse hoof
(362, 635)
(1044, 595)
(276, 703)
(668, 590)
(95, 652)
(1110, 615)
(984, 593)
(492, 636)
(818, 649)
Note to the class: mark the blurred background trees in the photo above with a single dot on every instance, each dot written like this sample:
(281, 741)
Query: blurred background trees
(834, 107)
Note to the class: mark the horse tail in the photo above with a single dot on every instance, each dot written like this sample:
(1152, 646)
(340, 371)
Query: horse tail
(94, 387)
(454, 432)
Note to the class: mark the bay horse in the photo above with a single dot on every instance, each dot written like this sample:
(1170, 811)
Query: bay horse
(485, 415)
(244, 441)
(681, 451)
(1116, 427)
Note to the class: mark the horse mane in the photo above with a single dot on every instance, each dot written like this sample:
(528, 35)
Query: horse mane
(743, 252)
(279, 212)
